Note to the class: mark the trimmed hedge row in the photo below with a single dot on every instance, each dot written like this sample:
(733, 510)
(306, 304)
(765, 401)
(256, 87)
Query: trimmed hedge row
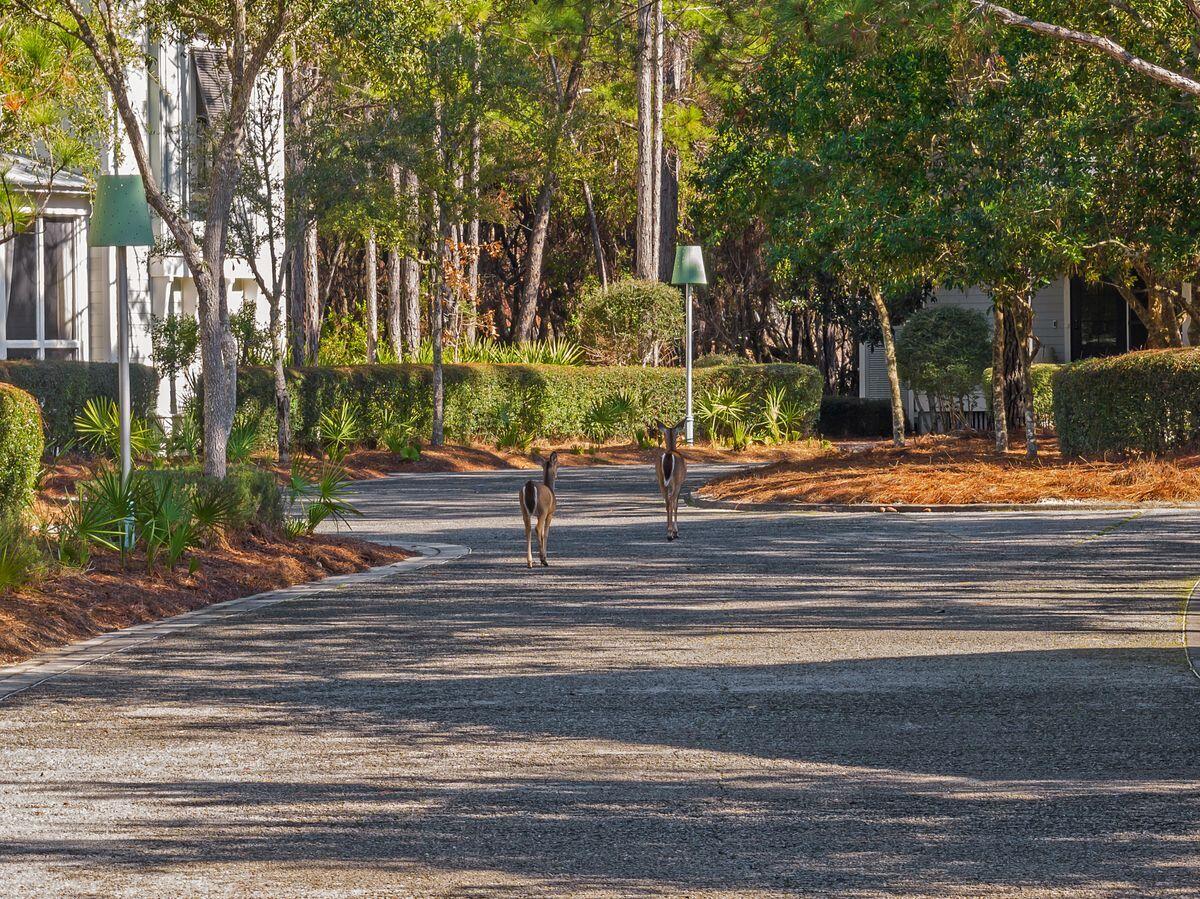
(21, 447)
(855, 416)
(62, 388)
(1143, 402)
(551, 401)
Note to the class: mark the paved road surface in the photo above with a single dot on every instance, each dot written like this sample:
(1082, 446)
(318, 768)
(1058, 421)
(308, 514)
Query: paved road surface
(854, 705)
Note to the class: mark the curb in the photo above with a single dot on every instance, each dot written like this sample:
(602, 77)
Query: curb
(702, 502)
(54, 662)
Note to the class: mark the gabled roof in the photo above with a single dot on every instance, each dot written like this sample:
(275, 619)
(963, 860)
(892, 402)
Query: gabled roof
(29, 175)
(212, 83)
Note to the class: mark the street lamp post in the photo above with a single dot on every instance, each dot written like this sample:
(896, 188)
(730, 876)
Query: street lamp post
(121, 219)
(689, 270)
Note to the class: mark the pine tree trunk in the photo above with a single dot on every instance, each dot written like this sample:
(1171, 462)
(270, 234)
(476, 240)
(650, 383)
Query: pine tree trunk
(669, 192)
(283, 411)
(526, 314)
(648, 88)
(999, 418)
(657, 175)
(294, 111)
(372, 299)
(597, 243)
(889, 355)
(411, 277)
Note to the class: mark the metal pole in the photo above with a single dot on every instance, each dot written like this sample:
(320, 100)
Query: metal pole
(123, 360)
(687, 355)
(123, 378)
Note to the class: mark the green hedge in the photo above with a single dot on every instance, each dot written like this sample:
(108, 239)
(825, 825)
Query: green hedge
(257, 498)
(1042, 376)
(21, 447)
(854, 416)
(551, 400)
(1144, 402)
(62, 388)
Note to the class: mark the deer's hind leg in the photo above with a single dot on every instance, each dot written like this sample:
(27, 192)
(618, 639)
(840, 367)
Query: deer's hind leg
(543, 530)
(528, 537)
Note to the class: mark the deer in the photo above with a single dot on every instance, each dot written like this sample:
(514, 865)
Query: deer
(537, 507)
(672, 470)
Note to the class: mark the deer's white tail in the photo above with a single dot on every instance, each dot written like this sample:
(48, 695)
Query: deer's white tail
(529, 497)
(668, 466)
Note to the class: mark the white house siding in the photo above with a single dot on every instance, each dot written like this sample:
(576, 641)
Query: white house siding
(1051, 325)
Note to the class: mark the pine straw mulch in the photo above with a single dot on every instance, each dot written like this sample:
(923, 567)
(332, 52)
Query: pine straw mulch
(72, 605)
(365, 464)
(957, 470)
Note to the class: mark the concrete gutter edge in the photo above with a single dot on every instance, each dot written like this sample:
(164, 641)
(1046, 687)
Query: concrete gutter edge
(702, 502)
(42, 667)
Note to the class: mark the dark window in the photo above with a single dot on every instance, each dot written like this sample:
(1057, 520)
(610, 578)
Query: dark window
(22, 288)
(1101, 323)
(56, 247)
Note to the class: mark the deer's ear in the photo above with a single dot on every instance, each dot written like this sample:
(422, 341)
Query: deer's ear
(553, 460)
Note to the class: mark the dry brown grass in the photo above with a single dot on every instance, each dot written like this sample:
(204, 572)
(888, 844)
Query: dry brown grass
(953, 470)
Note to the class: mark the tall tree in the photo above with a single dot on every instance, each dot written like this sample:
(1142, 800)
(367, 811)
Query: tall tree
(249, 38)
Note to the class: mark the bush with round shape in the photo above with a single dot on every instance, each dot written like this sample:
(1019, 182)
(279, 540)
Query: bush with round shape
(632, 323)
(941, 351)
(21, 447)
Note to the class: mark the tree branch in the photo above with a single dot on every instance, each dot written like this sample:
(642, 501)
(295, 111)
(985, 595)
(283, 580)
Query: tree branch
(1096, 42)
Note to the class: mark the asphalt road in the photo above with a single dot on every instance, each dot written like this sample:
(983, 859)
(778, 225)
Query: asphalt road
(855, 705)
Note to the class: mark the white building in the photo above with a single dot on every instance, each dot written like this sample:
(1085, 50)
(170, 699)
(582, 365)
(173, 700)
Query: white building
(58, 297)
(1071, 320)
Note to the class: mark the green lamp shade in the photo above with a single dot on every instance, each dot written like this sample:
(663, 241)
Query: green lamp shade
(689, 266)
(120, 216)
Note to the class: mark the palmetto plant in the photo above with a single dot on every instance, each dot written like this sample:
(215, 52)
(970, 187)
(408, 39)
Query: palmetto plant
(244, 441)
(339, 429)
(719, 409)
(557, 351)
(320, 491)
(622, 412)
(99, 428)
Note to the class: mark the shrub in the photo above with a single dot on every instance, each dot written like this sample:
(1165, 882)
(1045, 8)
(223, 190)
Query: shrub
(1144, 402)
(853, 416)
(21, 446)
(1042, 377)
(940, 352)
(549, 402)
(63, 388)
(632, 323)
(251, 495)
(713, 359)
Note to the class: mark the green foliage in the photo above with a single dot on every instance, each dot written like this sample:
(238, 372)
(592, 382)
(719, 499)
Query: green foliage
(338, 430)
(557, 351)
(344, 342)
(320, 491)
(1042, 377)
(710, 360)
(719, 408)
(22, 556)
(62, 389)
(21, 445)
(253, 342)
(550, 402)
(1145, 402)
(852, 416)
(245, 439)
(941, 352)
(98, 428)
(632, 323)
(622, 413)
(175, 343)
(247, 498)
(397, 433)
